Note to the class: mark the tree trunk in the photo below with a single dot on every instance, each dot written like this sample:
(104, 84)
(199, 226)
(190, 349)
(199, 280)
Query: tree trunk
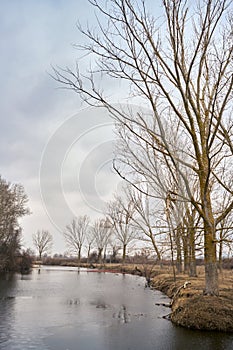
(79, 255)
(100, 255)
(211, 271)
(155, 247)
(192, 267)
(220, 253)
(172, 255)
(178, 251)
(105, 253)
(124, 253)
(88, 252)
(192, 264)
(186, 254)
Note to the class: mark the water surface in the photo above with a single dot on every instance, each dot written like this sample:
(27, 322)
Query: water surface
(67, 309)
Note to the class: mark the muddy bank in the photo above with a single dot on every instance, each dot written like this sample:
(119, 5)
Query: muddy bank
(191, 309)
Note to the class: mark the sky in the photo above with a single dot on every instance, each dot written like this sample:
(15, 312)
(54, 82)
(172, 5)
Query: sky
(59, 149)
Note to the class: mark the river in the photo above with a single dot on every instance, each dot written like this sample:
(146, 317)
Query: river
(66, 309)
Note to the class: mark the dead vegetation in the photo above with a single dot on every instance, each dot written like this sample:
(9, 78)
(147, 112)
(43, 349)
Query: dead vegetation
(190, 308)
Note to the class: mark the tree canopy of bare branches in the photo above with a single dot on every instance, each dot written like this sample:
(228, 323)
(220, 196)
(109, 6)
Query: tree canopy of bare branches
(101, 230)
(179, 66)
(43, 241)
(76, 233)
(120, 215)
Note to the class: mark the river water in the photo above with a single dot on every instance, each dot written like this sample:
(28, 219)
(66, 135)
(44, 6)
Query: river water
(66, 309)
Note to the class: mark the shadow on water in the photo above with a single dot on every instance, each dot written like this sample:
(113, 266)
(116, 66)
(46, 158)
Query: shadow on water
(123, 315)
(8, 285)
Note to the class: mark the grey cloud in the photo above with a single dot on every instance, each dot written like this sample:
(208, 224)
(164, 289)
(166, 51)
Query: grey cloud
(36, 117)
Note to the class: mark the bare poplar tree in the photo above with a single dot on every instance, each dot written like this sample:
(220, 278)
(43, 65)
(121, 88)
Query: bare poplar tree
(43, 241)
(179, 66)
(76, 233)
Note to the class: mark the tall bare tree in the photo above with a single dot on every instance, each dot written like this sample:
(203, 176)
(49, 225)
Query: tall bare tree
(76, 233)
(181, 68)
(43, 241)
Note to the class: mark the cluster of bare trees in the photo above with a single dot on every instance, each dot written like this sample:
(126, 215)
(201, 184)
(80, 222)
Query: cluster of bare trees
(13, 206)
(178, 148)
(97, 236)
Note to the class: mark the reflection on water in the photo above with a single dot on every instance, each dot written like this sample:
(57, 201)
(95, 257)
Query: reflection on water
(123, 315)
(62, 309)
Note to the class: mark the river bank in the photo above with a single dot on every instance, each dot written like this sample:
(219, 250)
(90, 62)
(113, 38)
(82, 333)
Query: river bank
(191, 309)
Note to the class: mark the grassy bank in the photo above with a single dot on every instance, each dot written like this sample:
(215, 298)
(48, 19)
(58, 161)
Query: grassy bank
(191, 309)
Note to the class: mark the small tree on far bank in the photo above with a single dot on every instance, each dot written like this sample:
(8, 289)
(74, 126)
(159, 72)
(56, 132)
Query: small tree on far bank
(101, 233)
(90, 240)
(120, 217)
(76, 233)
(43, 241)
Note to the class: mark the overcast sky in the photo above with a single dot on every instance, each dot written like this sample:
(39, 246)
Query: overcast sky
(58, 149)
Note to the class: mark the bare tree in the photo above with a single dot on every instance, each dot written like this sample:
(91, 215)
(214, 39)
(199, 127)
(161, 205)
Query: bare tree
(90, 240)
(76, 233)
(115, 248)
(146, 217)
(155, 184)
(182, 68)
(120, 215)
(43, 241)
(102, 231)
(224, 231)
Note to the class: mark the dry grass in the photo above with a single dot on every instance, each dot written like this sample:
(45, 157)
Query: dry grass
(192, 309)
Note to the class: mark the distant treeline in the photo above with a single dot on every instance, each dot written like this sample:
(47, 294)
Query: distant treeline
(67, 261)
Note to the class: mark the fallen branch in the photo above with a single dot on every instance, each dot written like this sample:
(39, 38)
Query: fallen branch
(184, 286)
(163, 304)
